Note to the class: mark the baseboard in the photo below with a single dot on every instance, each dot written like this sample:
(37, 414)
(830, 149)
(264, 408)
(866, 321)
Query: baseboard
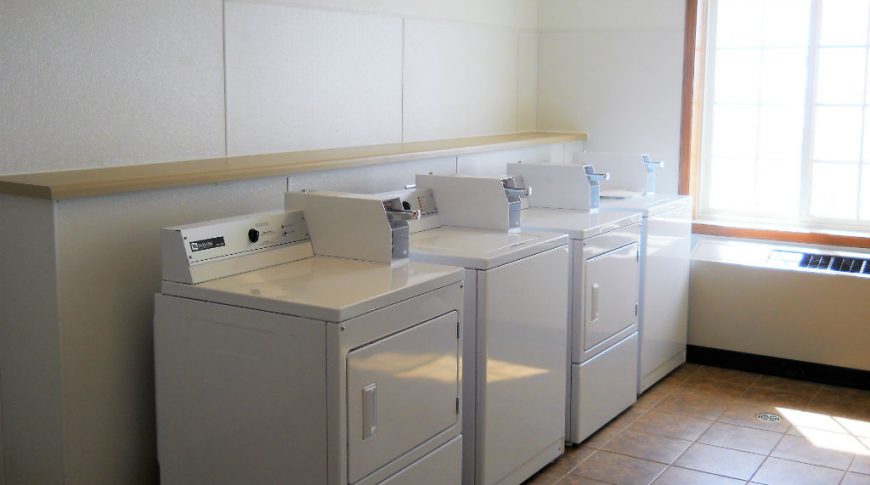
(775, 366)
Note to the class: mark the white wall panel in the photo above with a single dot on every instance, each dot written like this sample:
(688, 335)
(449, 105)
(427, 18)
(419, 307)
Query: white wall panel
(622, 87)
(610, 14)
(460, 80)
(527, 79)
(109, 82)
(380, 178)
(515, 13)
(301, 79)
(495, 163)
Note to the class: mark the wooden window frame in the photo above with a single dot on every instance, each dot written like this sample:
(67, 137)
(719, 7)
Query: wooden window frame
(690, 130)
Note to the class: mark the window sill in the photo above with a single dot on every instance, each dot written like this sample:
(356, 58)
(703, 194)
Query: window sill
(783, 234)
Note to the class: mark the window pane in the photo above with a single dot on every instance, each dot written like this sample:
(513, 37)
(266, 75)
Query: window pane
(865, 193)
(735, 129)
(786, 23)
(841, 75)
(731, 184)
(837, 134)
(781, 133)
(784, 75)
(738, 76)
(738, 23)
(835, 191)
(779, 186)
(844, 22)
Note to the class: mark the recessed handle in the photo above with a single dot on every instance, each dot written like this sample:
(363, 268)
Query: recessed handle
(370, 410)
(594, 303)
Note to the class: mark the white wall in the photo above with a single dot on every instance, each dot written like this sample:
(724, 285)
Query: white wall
(613, 68)
(118, 82)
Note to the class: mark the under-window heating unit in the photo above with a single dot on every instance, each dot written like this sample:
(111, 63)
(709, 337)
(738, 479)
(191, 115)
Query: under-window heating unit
(797, 303)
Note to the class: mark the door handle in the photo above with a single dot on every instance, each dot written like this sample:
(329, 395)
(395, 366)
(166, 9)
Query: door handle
(370, 410)
(594, 303)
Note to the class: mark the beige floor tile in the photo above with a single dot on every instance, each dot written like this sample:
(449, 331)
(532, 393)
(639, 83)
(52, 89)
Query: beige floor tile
(745, 414)
(843, 394)
(741, 438)
(775, 471)
(618, 469)
(774, 398)
(825, 451)
(578, 480)
(602, 437)
(861, 464)
(657, 393)
(671, 425)
(719, 374)
(720, 461)
(545, 477)
(647, 446)
(783, 384)
(694, 405)
(683, 476)
(683, 372)
(856, 479)
(717, 389)
(628, 417)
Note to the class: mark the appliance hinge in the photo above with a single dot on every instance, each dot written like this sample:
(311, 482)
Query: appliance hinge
(457, 329)
(637, 255)
(457, 404)
(635, 309)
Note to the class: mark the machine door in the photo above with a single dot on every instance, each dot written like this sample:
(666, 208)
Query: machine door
(401, 391)
(610, 294)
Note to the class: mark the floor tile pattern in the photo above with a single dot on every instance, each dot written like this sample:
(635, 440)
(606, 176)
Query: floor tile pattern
(699, 425)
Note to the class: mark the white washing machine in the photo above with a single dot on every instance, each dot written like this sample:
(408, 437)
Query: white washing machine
(603, 340)
(665, 255)
(276, 364)
(515, 331)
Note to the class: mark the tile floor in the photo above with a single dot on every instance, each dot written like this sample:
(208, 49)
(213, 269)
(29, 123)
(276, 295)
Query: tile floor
(699, 426)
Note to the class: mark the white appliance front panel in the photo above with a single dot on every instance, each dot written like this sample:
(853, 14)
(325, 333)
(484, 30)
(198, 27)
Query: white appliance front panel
(665, 264)
(522, 329)
(440, 467)
(610, 295)
(401, 391)
(603, 387)
(241, 396)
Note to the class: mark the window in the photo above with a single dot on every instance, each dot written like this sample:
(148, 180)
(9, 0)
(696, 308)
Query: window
(785, 134)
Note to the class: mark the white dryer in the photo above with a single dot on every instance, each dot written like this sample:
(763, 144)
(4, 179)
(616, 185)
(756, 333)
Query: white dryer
(603, 340)
(665, 254)
(516, 290)
(275, 364)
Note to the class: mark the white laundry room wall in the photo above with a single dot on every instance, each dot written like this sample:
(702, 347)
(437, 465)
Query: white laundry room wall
(118, 82)
(613, 68)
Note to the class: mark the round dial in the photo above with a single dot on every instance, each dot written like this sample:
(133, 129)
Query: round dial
(254, 235)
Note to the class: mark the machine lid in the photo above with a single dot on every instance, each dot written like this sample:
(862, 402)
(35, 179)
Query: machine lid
(480, 249)
(647, 204)
(578, 224)
(321, 287)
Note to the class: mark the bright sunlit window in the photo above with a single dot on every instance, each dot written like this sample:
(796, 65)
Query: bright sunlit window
(786, 127)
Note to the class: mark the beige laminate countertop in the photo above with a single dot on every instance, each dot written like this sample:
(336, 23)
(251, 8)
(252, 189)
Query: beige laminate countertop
(109, 180)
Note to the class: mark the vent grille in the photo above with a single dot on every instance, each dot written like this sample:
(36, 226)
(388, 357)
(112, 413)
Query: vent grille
(824, 262)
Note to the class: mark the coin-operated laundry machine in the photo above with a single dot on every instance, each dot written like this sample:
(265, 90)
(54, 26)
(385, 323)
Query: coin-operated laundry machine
(516, 289)
(603, 339)
(283, 356)
(665, 254)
